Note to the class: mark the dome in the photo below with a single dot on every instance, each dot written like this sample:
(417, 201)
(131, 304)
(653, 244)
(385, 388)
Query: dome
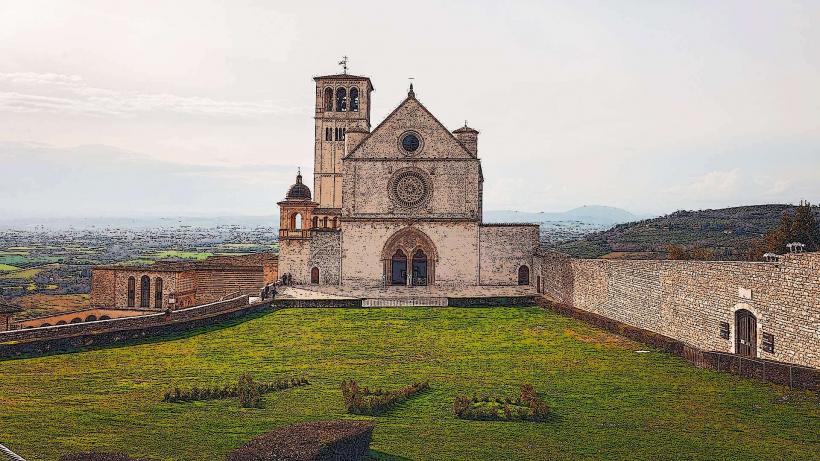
(298, 191)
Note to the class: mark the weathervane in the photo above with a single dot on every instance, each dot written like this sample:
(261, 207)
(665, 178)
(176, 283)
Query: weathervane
(343, 63)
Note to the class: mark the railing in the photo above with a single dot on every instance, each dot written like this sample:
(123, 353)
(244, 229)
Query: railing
(8, 454)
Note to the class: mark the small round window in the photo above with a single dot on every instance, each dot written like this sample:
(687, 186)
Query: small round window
(410, 142)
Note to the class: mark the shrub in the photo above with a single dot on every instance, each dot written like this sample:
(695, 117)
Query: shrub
(527, 407)
(228, 391)
(249, 396)
(314, 441)
(363, 401)
(99, 456)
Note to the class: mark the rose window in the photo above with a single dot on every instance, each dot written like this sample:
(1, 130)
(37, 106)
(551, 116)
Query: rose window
(409, 188)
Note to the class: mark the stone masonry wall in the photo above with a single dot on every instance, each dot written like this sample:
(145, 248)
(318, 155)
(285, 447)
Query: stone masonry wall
(503, 250)
(687, 300)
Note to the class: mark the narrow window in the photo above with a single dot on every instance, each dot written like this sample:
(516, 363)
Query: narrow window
(354, 99)
(328, 100)
(132, 288)
(328, 134)
(314, 276)
(344, 133)
(296, 222)
(335, 223)
(145, 291)
(315, 222)
(341, 100)
(324, 224)
(158, 292)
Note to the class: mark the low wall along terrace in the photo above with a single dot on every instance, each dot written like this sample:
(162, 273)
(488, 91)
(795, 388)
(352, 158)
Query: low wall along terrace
(694, 301)
(103, 332)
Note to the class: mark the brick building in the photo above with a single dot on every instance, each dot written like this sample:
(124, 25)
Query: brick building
(398, 205)
(178, 284)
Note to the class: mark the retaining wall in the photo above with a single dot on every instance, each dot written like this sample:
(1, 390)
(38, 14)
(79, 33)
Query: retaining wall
(688, 300)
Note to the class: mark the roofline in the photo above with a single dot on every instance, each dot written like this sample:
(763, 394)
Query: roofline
(361, 143)
(345, 77)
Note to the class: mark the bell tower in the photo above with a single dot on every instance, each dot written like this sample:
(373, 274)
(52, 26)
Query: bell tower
(342, 103)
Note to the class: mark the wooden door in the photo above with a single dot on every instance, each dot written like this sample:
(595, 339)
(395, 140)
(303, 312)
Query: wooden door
(746, 333)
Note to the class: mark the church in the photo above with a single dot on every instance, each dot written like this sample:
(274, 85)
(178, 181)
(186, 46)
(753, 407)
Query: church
(395, 205)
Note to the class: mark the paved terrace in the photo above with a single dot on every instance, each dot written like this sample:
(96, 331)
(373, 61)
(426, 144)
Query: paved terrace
(401, 292)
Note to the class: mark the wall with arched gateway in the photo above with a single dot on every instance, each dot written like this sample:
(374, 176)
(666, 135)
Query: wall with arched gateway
(688, 300)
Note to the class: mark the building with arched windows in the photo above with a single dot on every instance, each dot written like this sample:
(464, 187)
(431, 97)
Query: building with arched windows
(399, 204)
(179, 284)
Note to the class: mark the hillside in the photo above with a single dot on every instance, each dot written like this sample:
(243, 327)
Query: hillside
(728, 232)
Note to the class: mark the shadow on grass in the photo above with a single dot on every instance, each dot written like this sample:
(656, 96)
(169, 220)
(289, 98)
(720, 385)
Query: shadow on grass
(158, 338)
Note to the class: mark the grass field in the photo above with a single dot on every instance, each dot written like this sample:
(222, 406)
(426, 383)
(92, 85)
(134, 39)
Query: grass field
(608, 401)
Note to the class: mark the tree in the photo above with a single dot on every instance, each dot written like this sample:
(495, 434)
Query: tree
(804, 227)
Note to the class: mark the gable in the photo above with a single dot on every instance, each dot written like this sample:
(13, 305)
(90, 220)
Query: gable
(436, 141)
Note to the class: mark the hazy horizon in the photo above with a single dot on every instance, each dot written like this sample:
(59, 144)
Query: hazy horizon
(148, 109)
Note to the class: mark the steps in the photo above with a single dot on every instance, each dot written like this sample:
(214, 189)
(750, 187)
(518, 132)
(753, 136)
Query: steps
(416, 301)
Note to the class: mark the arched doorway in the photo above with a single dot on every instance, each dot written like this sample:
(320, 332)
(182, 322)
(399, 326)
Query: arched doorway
(745, 333)
(409, 258)
(314, 276)
(419, 268)
(398, 268)
(523, 275)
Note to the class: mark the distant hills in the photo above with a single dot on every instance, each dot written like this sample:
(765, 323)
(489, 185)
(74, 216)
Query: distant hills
(727, 232)
(591, 214)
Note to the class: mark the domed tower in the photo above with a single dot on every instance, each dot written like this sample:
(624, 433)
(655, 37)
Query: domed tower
(296, 211)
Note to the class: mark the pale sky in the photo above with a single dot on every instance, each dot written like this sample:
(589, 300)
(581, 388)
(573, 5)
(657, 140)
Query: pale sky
(205, 107)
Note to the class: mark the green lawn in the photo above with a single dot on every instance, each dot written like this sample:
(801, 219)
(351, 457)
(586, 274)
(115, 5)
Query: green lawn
(609, 402)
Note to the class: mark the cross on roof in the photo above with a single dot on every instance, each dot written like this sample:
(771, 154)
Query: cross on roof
(343, 63)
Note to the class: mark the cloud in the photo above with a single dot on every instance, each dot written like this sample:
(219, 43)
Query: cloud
(710, 185)
(69, 94)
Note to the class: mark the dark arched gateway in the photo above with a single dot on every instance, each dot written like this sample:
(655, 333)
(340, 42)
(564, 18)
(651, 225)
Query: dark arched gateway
(145, 291)
(91, 318)
(746, 333)
(314, 276)
(398, 268)
(523, 275)
(419, 267)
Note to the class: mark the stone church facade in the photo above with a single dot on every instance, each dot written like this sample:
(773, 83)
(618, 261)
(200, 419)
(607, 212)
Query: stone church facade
(399, 205)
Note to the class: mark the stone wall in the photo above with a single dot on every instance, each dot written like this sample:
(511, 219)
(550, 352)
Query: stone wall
(688, 300)
(9, 338)
(456, 244)
(504, 249)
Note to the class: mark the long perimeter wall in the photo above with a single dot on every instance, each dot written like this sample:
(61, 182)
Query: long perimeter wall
(687, 300)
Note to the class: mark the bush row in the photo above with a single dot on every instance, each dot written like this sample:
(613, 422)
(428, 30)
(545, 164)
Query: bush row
(99, 456)
(363, 401)
(246, 388)
(527, 407)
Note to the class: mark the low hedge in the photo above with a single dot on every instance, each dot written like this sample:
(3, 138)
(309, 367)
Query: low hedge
(363, 401)
(195, 393)
(527, 407)
(314, 441)
(99, 456)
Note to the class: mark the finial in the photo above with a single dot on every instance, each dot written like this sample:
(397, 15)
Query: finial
(298, 174)
(465, 123)
(343, 63)
(411, 93)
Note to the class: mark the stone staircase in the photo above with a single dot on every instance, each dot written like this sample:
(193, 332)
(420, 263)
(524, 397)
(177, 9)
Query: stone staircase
(417, 301)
